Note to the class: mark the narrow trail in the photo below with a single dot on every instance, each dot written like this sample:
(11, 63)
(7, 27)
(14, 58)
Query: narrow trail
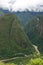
(36, 48)
(6, 60)
(9, 59)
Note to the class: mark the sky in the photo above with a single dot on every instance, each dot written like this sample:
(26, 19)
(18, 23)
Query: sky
(20, 5)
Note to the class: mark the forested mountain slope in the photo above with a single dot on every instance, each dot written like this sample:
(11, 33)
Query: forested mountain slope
(13, 38)
(34, 30)
(23, 16)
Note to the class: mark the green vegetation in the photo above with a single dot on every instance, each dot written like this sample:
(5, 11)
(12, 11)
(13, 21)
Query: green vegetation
(1, 13)
(25, 61)
(2, 63)
(34, 30)
(13, 40)
(37, 61)
(15, 46)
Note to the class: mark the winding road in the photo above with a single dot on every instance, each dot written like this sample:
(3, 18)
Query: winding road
(36, 48)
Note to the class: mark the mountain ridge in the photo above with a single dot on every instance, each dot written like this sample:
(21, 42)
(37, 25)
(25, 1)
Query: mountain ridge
(34, 29)
(13, 38)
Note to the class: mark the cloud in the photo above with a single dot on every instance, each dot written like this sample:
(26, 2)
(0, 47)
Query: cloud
(21, 5)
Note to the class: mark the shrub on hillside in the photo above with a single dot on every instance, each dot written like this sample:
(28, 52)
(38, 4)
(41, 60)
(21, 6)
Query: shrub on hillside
(1, 63)
(37, 61)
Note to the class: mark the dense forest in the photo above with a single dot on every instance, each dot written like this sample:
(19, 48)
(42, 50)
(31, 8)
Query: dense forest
(21, 40)
(34, 30)
(13, 39)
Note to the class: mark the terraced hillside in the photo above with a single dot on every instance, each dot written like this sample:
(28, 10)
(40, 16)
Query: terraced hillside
(13, 39)
(34, 30)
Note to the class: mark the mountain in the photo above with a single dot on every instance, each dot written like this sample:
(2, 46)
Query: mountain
(23, 16)
(13, 39)
(4, 10)
(26, 16)
(34, 30)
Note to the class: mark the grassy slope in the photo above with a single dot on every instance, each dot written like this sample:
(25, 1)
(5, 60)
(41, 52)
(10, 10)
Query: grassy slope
(12, 37)
(34, 30)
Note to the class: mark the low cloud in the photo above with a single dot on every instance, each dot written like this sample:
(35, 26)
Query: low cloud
(20, 5)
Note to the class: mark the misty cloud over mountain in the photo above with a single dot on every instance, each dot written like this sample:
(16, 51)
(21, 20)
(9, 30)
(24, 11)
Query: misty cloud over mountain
(22, 5)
